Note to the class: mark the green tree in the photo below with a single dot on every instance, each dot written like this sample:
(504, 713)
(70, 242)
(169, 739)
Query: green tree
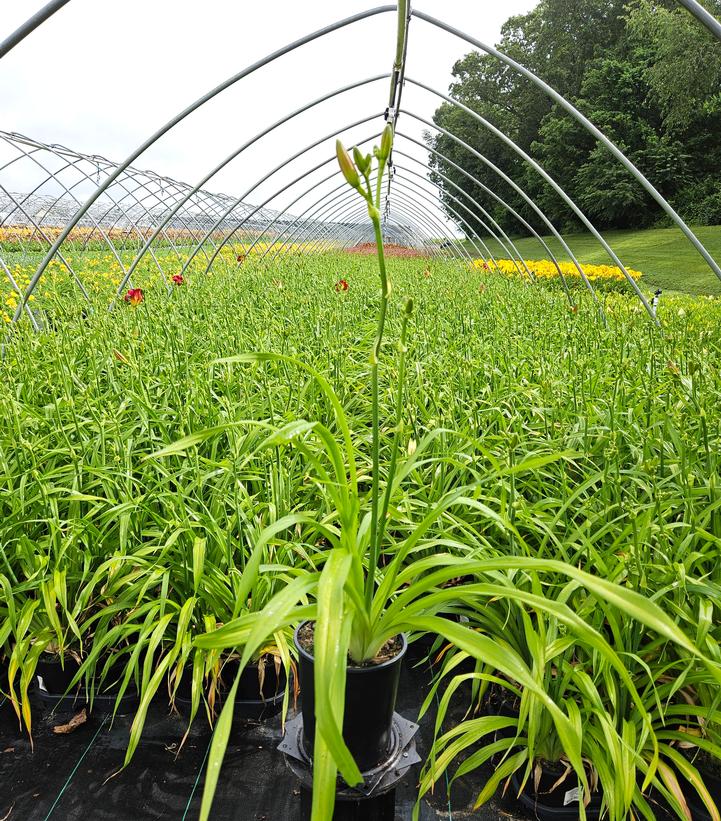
(647, 74)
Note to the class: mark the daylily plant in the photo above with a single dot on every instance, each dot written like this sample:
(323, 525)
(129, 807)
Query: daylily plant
(134, 296)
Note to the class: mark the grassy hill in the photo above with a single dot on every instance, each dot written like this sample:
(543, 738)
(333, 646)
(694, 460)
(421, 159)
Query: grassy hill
(664, 255)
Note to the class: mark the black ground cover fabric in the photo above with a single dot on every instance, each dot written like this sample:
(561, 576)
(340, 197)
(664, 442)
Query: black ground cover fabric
(75, 777)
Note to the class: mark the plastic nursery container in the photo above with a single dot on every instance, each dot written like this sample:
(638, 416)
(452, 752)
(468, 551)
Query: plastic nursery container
(547, 804)
(53, 681)
(560, 804)
(252, 702)
(370, 700)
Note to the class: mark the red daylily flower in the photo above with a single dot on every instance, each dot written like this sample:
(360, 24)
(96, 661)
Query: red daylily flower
(342, 285)
(134, 296)
(179, 279)
(241, 258)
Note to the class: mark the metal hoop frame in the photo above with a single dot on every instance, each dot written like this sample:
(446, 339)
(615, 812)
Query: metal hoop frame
(151, 211)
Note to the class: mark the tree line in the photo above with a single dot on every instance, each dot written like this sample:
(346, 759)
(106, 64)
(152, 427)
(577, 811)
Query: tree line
(647, 73)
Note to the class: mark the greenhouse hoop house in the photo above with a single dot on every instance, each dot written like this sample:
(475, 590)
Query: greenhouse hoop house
(377, 477)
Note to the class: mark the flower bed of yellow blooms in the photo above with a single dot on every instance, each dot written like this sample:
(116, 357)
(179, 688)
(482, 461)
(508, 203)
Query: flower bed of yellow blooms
(546, 269)
(101, 273)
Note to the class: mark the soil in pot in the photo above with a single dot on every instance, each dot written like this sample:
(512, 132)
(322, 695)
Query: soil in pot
(370, 699)
(553, 800)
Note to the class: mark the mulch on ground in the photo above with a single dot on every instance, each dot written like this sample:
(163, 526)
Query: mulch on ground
(390, 250)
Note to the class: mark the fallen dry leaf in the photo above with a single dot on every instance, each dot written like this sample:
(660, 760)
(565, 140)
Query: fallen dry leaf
(72, 725)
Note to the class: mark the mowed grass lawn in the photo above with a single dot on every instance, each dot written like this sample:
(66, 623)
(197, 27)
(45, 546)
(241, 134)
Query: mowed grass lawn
(664, 255)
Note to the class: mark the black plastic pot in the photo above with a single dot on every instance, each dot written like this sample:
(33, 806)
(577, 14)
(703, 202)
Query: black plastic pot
(249, 688)
(54, 677)
(560, 804)
(252, 701)
(370, 699)
(382, 808)
(52, 689)
(500, 702)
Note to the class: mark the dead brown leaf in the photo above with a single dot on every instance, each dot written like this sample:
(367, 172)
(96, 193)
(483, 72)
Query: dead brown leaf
(76, 721)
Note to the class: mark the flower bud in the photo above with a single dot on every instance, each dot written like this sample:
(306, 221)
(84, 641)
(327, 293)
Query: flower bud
(386, 143)
(346, 165)
(363, 163)
(409, 306)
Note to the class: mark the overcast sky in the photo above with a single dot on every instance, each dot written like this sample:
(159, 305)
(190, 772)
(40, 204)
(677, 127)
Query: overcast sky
(100, 77)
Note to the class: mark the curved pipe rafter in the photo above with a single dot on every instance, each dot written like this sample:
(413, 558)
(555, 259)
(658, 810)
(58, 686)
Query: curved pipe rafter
(424, 223)
(148, 205)
(316, 215)
(531, 230)
(591, 128)
(494, 232)
(325, 220)
(29, 26)
(351, 212)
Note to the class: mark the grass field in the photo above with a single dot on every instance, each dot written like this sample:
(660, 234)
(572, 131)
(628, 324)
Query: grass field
(664, 255)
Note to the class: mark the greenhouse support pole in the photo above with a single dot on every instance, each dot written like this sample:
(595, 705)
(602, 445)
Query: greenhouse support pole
(308, 38)
(705, 17)
(557, 188)
(595, 132)
(29, 26)
(513, 184)
(467, 225)
(497, 233)
(531, 230)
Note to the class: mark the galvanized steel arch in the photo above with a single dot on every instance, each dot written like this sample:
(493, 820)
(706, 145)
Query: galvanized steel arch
(217, 209)
(531, 230)
(354, 210)
(513, 255)
(350, 202)
(588, 125)
(181, 116)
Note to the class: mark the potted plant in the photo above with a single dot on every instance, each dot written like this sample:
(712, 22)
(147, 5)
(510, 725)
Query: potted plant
(196, 587)
(626, 719)
(7, 618)
(375, 583)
